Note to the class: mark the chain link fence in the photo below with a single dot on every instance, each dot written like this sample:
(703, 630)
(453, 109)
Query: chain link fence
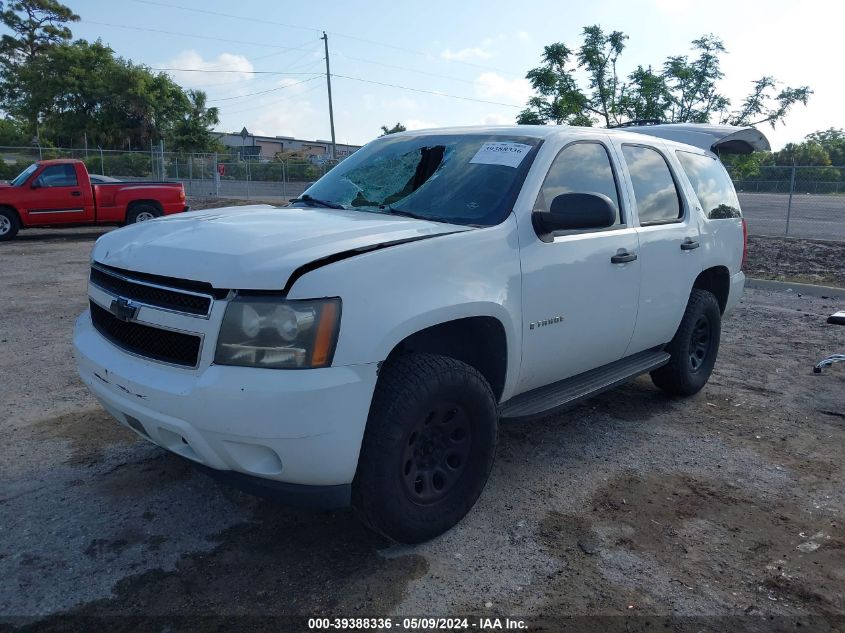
(796, 201)
(222, 175)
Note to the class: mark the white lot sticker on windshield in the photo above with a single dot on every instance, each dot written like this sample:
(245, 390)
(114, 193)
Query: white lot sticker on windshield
(508, 154)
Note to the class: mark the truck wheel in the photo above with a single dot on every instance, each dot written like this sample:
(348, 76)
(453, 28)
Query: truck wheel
(428, 447)
(694, 347)
(142, 213)
(9, 224)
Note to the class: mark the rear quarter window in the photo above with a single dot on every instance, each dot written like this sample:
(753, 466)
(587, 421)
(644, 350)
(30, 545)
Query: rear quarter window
(712, 185)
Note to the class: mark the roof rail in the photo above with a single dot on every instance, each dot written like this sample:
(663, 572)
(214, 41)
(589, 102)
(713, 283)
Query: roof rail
(636, 123)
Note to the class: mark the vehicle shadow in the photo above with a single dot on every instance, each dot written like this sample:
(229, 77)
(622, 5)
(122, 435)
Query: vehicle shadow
(323, 562)
(59, 236)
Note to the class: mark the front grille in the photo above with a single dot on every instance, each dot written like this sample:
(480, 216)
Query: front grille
(151, 342)
(149, 294)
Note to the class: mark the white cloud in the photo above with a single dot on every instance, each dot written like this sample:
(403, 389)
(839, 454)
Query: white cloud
(494, 86)
(191, 60)
(292, 118)
(466, 54)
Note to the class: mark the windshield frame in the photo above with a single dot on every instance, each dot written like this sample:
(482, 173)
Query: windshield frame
(21, 178)
(497, 215)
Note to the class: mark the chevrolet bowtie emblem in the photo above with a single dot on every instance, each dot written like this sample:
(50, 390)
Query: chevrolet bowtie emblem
(123, 309)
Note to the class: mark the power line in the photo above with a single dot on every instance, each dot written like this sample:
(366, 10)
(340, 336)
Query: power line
(367, 81)
(402, 68)
(225, 15)
(308, 28)
(240, 72)
(272, 103)
(264, 92)
(211, 86)
(273, 54)
(288, 48)
(199, 37)
(430, 92)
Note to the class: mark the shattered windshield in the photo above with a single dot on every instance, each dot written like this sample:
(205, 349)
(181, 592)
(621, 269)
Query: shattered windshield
(457, 178)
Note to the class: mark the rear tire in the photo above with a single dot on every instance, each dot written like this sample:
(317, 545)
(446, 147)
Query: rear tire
(142, 213)
(428, 447)
(694, 348)
(9, 224)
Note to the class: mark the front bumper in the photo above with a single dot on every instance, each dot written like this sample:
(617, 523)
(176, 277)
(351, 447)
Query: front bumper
(291, 426)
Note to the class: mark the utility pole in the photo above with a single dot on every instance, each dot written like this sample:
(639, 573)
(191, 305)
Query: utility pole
(325, 39)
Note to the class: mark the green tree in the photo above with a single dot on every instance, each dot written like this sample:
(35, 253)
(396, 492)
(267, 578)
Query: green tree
(813, 161)
(645, 96)
(396, 128)
(747, 166)
(833, 141)
(559, 100)
(808, 153)
(693, 95)
(82, 89)
(685, 90)
(192, 131)
(64, 91)
(36, 25)
(597, 56)
(765, 105)
(13, 134)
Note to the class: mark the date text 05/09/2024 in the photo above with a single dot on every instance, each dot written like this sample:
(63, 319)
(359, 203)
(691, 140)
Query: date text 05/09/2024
(417, 624)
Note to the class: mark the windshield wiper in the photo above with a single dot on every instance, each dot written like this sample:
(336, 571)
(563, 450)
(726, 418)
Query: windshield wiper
(316, 202)
(411, 214)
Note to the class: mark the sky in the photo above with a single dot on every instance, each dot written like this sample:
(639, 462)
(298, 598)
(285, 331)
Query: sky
(396, 61)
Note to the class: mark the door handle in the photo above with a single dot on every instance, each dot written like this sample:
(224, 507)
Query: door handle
(689, 244)
(76, 193)
(623, 257)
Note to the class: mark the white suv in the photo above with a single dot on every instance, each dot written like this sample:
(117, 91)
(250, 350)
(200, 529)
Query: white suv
(361, 344)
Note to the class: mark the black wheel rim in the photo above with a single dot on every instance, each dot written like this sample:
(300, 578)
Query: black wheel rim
(436, 453)
(699, 344)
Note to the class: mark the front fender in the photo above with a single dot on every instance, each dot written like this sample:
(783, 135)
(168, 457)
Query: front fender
(392, 293)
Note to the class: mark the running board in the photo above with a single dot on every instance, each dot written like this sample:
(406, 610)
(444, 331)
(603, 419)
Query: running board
(567, 392)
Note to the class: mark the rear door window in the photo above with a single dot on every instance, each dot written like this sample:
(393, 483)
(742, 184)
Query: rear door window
(712, 185)
(658, 200)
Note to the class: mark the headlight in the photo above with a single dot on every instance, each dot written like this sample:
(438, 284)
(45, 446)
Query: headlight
(276, 333)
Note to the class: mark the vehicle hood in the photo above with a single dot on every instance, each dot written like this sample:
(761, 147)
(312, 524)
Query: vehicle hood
(253, 247)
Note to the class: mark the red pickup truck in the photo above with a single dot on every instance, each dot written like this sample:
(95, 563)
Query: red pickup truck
(56, 193)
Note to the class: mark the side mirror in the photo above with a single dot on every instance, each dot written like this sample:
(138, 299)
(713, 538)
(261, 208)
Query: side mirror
(36, 184)
(575, 211)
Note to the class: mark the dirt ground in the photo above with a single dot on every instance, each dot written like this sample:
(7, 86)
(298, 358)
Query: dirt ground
(724, 511)
(789, 259)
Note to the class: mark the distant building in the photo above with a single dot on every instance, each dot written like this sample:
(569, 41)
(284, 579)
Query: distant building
(267, 147)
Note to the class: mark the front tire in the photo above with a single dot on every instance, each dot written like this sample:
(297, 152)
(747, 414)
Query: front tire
(694, 348)
(9, 224)
(142, 213)
(428, 447)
